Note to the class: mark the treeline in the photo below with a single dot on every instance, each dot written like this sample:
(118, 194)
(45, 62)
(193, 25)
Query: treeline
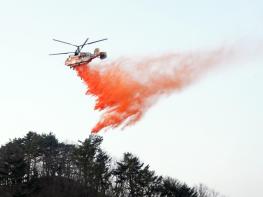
(41, 166)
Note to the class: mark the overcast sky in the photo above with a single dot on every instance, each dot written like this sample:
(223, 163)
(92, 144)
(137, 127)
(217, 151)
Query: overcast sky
(210, 133)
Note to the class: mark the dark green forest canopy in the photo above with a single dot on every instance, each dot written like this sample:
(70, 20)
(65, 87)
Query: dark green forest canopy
(39, 165)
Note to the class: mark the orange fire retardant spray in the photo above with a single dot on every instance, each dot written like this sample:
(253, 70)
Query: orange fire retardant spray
(125, 88)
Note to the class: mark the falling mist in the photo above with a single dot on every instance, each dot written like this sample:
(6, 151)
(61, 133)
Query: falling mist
(125, 88)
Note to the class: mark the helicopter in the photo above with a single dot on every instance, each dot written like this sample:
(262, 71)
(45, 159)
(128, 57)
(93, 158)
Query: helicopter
(78, 58)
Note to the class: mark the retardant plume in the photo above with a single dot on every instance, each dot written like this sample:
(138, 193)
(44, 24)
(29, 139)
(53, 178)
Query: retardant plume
(124, 89)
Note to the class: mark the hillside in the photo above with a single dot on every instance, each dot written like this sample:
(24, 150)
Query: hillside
(41, 166)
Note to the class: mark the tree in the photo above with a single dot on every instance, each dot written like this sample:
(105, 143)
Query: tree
(173, 188)
(102, 168)
(133, 178)
(93, 164)
(31, 144)
(64, 160)
(204, 191)
(12, 162)
(49, 150)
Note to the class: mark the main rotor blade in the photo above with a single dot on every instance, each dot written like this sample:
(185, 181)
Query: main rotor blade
(60, 53)
(97, 41)
(81, 47)
(65, 42)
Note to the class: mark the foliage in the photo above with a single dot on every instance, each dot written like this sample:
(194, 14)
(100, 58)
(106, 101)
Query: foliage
(39, 165)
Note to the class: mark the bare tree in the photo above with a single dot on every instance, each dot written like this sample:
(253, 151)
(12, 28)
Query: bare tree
(204, 191)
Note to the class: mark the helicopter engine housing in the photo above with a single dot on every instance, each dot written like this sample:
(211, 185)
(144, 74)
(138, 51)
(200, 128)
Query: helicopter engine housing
(103, 55)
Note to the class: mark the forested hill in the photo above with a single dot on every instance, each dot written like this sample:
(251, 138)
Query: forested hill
(41, 166)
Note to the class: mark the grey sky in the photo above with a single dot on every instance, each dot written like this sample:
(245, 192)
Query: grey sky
(211, 132)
